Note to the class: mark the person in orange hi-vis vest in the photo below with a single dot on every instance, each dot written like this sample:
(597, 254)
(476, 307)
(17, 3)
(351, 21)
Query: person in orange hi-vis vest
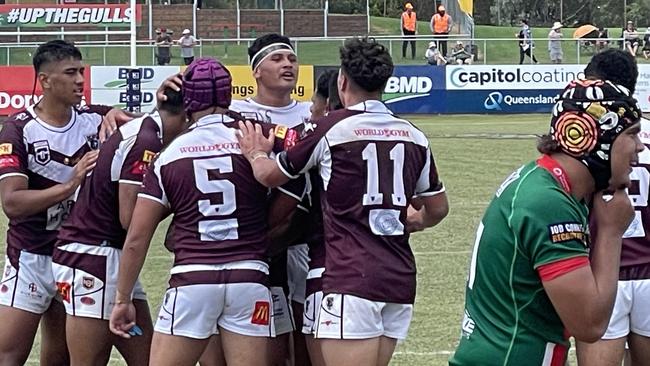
(408, 21)
(440, 25)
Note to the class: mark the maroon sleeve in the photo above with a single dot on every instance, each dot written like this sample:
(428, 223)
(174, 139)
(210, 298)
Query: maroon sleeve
(295, 188)
(13, 152)
(152, 186)
(100, 109)
(135, 164)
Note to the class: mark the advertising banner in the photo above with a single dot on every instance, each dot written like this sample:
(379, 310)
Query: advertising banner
(109, 84)
(416, 89)
(642, 92)
(244, 86)
(68, 15)
(16, 85)
(496, 77)
(501, 101)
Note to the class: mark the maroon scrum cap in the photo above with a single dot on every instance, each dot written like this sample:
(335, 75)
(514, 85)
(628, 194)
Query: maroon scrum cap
(206, 83)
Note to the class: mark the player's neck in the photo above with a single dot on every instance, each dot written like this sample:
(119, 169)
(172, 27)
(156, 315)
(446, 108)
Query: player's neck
(582, 183)
(53, 112)
(272, 98)
(358, 98)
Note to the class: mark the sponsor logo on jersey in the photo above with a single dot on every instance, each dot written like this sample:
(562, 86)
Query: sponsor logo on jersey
(4, 288)
(290, 139)
(7, 270)
(261, 313)
(148, 156)
(42, 152)
(139, 167)
(468, 325)
(565, 232)
(9, 161)
(6, 149)
(93, 141)
(32, 287)
(88, 282)
(280, 131)
(329, 302)
(63, 288)
(87, 300)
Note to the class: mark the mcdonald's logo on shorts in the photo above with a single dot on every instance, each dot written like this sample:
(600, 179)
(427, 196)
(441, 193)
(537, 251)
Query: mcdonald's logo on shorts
(261, 313)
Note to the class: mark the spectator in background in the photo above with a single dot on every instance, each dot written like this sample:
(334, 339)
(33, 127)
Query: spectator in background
(525, 42)
(408, 23)
(602, 41)
(555, 43)
(460, 55)
(631, 38)
(433, 55)
(441, 24)
(646, 44)
(187, 43)
(163, 43)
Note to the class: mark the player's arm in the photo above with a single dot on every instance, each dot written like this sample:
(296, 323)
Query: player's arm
(146, 216)
(584, 295)
(256, 148)
(19, 201)
(427, 211)
(283, 229)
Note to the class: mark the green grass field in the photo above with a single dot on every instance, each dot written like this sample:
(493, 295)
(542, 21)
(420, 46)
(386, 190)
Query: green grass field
(474, 154)
(326, 52)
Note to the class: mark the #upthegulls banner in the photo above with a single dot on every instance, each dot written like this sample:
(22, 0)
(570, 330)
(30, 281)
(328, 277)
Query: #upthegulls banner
(45, 15)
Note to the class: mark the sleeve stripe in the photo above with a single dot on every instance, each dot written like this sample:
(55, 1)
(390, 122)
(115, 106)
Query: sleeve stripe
(551, 271)
(289, 193)
(7, 175)
(126, 181)
(284, 171)
(152, 198)
(430, 194)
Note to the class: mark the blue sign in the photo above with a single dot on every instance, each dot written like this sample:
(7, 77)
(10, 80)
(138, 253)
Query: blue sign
(416, 89)
(501, 101)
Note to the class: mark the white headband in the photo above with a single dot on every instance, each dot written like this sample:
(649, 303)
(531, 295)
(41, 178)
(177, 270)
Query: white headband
(267, 51)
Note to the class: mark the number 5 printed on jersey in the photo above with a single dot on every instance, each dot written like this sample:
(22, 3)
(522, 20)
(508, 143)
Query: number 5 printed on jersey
(217, 189)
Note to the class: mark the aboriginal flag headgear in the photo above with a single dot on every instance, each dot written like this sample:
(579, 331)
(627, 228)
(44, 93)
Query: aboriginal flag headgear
(587, 118)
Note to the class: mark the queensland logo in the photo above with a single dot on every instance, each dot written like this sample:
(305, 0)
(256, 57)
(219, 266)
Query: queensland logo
(565, 232)
(88, 282)
(399, 88)
(493, 101)
(261, 313)
(42, 152)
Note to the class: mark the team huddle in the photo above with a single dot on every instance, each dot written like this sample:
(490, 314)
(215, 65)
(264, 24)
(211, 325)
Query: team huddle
(290, 221)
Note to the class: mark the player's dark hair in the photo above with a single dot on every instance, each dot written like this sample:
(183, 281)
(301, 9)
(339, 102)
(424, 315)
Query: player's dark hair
(615, 65)
(547, 145)
(525, 21)
(174, 102)
(367, 63)
(323, 83)
(54, 51)
(334, 100)
(264, 41)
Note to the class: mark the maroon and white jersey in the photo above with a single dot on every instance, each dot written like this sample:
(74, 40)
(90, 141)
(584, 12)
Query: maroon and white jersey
(635, 254)
(123, 159)
(291, 115)
(219, 208)
(371, 164)
(46, 156)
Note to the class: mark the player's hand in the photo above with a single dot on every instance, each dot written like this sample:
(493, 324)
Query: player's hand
(83, 167)
(173, 82)
(112, 120)
(122, 319)
(613, 213)
(252, 139)
(414, 222)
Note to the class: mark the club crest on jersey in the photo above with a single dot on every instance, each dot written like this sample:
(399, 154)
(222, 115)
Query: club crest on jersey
(42, 152)
(93, 141)
(88, 282)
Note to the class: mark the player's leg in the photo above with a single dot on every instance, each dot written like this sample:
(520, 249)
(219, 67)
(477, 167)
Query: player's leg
(300, 352)
(17, 336)
(172, 350)
(297, 269)
(26, 292)
(89, 339)
(312, 304)
(350, 352)
(639, 349)
(237, 349)
(386, 349)
(213, 353)
(137, 349)
(611, 349)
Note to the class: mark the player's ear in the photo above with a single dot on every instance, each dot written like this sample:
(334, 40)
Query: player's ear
(44, 80)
